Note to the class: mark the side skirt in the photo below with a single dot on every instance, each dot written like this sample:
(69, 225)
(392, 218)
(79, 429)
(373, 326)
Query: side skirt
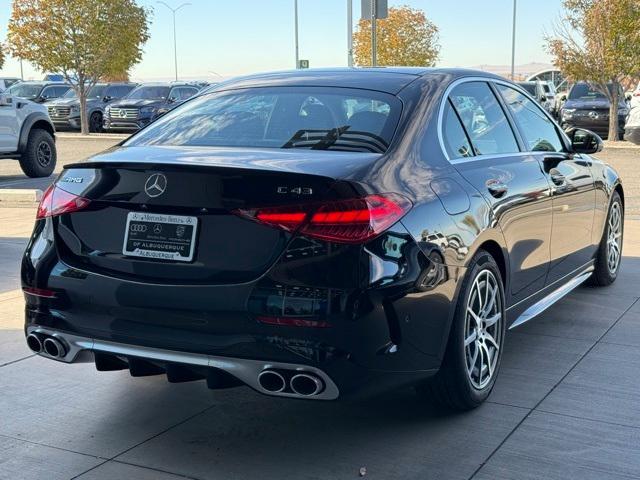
(545, 302)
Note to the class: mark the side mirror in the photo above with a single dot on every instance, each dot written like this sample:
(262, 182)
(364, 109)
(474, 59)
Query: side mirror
(107, 98)
(6, 100)
(172, 99)
(563, 97)
(628, 96)
(584, 141)
(543, 98)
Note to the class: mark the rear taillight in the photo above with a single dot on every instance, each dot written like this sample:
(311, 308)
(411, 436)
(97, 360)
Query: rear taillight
(56, 201)
(344, 221)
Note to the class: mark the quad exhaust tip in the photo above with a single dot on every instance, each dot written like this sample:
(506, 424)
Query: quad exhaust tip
(301, 384)
(306, 385)
(272, 381)
(34, 343)
(54, 348)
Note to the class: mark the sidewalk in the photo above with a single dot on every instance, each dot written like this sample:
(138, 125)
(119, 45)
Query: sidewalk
(565, 406)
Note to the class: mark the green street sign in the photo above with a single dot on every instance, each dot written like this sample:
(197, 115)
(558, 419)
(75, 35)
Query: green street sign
(303, 63)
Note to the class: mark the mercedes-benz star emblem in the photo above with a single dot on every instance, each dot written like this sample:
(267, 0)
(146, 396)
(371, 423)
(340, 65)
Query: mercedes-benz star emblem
(593, 115)
(156, 185)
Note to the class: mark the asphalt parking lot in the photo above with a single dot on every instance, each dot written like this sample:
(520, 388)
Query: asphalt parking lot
(72, 147)
(565, 405)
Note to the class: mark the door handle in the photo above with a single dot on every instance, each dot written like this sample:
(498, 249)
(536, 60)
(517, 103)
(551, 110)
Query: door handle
(496, 188)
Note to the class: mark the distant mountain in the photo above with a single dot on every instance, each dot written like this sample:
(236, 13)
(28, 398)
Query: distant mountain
(521, 71)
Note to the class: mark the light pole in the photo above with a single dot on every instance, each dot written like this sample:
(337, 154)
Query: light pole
(175, 43)
(295, 13)
(513, 42)
(374, 35)
(350, 33)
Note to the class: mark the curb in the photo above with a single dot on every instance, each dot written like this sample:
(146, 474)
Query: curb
(621, 144)
(92, 136)
(14, 197)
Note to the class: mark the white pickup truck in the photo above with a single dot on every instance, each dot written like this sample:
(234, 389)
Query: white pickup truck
(27, 135)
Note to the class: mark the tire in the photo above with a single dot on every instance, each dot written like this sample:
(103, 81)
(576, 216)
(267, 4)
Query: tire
(95, 122)
(39, 157)
(456, 386)
(605, 273)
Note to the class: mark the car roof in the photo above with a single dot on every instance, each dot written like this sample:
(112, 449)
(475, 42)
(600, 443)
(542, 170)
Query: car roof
(43, 82)
(385, 79)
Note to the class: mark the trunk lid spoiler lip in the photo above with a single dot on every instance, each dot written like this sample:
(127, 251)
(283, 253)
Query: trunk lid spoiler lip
(334, 164)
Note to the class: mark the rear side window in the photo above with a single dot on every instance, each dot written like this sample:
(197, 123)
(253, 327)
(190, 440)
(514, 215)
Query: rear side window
(455, 139)
(483, 119)
(316, 118)
(538, 130)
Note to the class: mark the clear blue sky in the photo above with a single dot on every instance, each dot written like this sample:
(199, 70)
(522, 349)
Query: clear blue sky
(233, 37)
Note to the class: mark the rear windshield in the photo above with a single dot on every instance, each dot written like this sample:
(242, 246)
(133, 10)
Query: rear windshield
(280, 117)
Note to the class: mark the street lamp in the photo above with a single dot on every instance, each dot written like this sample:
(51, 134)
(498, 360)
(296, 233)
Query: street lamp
(295, 34)
(513, 43)
(175, 46)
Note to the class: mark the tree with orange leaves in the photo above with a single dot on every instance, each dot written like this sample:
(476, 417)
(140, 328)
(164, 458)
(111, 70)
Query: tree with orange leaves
(405, 37)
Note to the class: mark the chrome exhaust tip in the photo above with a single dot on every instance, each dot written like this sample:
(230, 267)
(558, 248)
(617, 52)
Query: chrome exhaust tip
(272, 381)
(54, 348)
(34, 343)
(306, 385)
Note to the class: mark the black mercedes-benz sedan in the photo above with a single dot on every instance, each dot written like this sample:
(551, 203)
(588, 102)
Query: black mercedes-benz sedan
(323, 234)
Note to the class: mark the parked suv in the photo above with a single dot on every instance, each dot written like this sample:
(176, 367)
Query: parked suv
(26, 134)
(632, 124)
(65, 111)
(38, 92)
(588, 108)
(6, 82)
(146, 103)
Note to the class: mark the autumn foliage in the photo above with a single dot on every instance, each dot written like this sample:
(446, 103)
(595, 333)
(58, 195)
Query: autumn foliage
(406, 37)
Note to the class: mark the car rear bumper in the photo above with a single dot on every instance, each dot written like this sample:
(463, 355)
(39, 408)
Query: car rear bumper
(81, 349)
(390, 331)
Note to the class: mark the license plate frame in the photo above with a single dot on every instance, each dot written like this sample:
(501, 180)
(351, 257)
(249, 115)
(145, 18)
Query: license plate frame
(144, 231)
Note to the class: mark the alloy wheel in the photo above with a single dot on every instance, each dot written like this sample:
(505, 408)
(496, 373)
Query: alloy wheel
(44, 154)
(483, 329)
(614, 237)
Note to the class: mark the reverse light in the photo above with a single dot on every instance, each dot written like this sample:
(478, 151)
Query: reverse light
(292, 322)
(343, 221)
(56, 201)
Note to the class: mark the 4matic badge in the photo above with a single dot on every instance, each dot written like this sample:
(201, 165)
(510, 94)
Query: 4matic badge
(296, 190)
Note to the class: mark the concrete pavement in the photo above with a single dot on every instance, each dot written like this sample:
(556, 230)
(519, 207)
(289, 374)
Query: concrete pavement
(565, 406)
